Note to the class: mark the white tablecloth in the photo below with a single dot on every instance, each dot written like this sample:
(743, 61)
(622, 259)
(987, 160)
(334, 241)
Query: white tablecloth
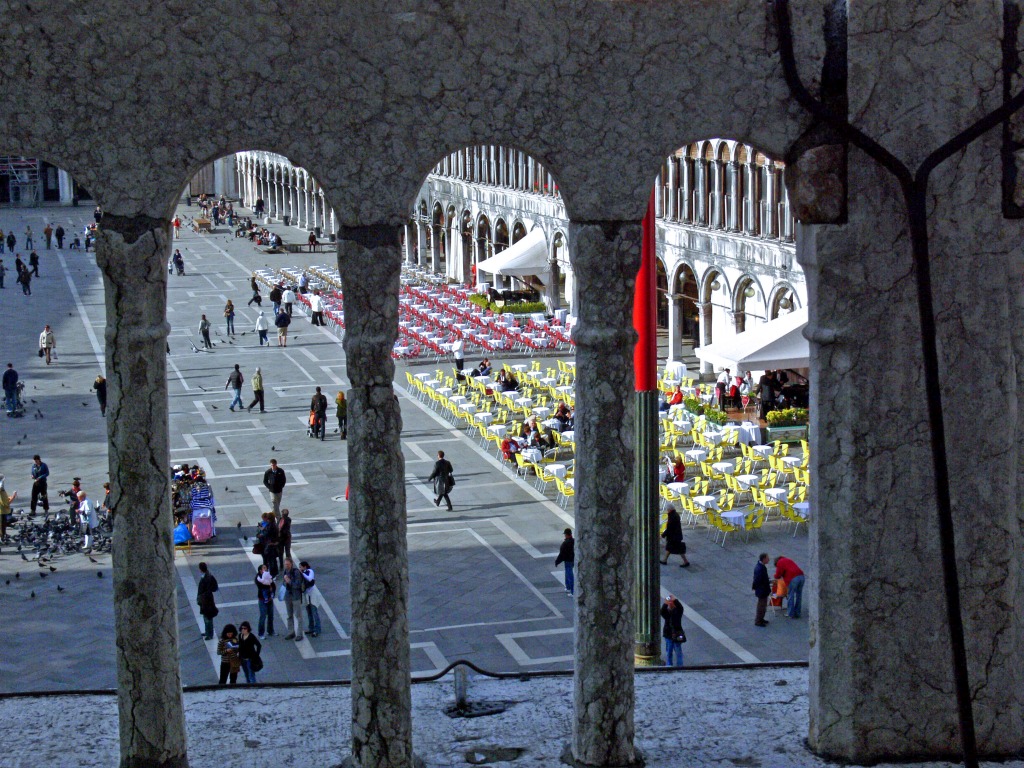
(542, 411)
(468, 408)
(446, 391)
(484, 379)
(520, 367)
(735, 518)
(803, 508)
(779, 494)
(569, 436)
(675, 369)
(679, 488)
(551, 423)
(725, 467)
(713, 437)
(791, 461)
(485, 418)
(532, 454)
(458, 399)
(749, 433)
(524, 402)
(696, 454)
(708, 502)
(565, 390)
(423, 376)
(683, 424)
(498, 429)
(558, 470)
(764, 450)
(748, 480)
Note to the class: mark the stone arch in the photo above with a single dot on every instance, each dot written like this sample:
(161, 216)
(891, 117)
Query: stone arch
(746, 289)
(519, 231)
(781, 293)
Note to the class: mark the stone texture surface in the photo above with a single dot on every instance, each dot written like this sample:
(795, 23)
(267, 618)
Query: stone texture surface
(726, 718)
(596, 90)
(606, 256)
(881, 679)
(379, 582)
(132, 254)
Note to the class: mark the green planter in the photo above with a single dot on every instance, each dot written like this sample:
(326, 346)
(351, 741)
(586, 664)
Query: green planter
(786, 434)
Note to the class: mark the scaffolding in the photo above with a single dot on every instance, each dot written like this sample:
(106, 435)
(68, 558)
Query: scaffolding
(23, 180)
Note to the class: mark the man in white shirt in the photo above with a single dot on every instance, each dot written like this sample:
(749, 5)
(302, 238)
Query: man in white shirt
(722, 387)
(47, 343)
(288, 299)
(316, 306)
(87, 514)
(459, 353)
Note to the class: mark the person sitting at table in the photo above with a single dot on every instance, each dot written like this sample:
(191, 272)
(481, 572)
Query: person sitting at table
(678, 471)
(484, 369)
(563, 415)
(509, 448)
(529, 426)
(722, 388)
(674, 398)
(510, 384)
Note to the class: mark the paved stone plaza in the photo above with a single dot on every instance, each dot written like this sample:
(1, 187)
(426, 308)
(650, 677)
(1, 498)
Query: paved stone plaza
(483, 582)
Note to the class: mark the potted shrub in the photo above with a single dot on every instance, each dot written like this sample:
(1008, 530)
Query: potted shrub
(788, 424)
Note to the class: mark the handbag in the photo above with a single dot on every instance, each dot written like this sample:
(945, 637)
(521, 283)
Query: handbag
(451, 482)
(681, 637)
(256, 663)
(41, 353)
(282, 591)
(257, 548)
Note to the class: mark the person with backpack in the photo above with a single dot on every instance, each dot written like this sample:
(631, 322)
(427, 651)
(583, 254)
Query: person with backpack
(265, 588)
(204, 598)
(342, 414)
(282, 321)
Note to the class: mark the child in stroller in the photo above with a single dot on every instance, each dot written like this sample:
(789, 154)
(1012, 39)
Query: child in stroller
(315, 426)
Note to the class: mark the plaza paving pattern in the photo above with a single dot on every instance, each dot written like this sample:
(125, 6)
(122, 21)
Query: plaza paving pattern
(483, 584)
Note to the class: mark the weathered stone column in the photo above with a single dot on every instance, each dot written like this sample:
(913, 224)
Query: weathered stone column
(132, 252)
(605, 258)
(370, 262)
(704, 318)
(881, 682)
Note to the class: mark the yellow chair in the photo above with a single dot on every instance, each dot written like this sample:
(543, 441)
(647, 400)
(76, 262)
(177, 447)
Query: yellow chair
(565, 490)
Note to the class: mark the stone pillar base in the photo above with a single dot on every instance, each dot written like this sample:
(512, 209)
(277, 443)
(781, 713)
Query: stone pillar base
(349, 762)
(647, 655)
(567, 759)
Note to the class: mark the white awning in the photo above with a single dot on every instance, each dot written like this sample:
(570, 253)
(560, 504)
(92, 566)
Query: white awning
(778, 344)
(529, 256)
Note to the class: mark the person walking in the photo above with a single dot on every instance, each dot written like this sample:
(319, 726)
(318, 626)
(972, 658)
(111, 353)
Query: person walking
(204, 598)
(33, 263)
(310, 598)
(257, 391)
(275, 298)
(3, 271)
(48, 235)
(672, 631)
(235, 381)
(444, 480)
(227, 649)
(318, 407)
(459, 353)
(25, 280)
(762, 587)
(100, 385)
(261, 328)
(5, 508)
(40, 472)
(10, 381)
(256, 296)
(282, 320)
(90, 521)
(316, 307)
(293, 600)
(288, 297)
(673, 536)
(3, 241)
(284, 538)
(567, 555)
(274, 480)
(204, 330)
(11, 241)
(793, 577)
(268, 539)
(265, 588)
(29, 242)
(229, 316)
(249, 649)
(342, 414)
(47, 341)
(59, 234)
(176, 223)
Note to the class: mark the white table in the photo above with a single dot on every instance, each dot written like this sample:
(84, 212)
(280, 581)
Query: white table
(696, 454)
(735, 518)
(713, 437)
(779, 494)
(532, 454)
(541, 412)
(485, 418)
(569, 436)
(675, 369)
(524, 402)
(748, 480)
(764, 450)
(458, 399)
(535, 375)
(446, 391)
(519, 368)
(791, 461)
(498, 430)
(485, 380)
(803, 508)
(749, 432)
(571, 482)
(558, 470)
(565, 390)
(551, 423)
(724, 467)
(433, 383)
(547, 381)
(423, 376)
(679, 488)
(708, 502)
(469, 408)
(683, 425)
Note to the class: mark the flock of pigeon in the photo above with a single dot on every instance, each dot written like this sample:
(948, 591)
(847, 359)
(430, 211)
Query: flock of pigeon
(44, 541)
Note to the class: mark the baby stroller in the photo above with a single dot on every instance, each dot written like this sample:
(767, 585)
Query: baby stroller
(314, 426)
(202, 525)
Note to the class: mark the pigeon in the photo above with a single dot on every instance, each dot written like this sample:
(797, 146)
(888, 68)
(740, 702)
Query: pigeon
(99, 574)
(239, 523)
(17, 575)
(273, 447)
(52, 569)
(246, 538)
(214, 407)
(62, 384)
(8, 582)
(23, 557)
(84, 405)
(42, 575)
(33, 594)
(93, 559)
(219, 451)
(225, 487)
(60, 588)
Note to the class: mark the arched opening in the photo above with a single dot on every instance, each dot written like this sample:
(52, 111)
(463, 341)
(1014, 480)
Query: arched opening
(783, 301)
(661, 279)
(684, 297)
(748, 304)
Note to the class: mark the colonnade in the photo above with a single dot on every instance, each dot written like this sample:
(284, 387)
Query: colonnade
(286, 190)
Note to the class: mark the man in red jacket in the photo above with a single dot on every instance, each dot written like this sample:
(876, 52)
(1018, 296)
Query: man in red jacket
(791, 574)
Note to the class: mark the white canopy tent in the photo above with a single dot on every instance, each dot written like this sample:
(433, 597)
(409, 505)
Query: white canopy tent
(778, 344)
(529, 256)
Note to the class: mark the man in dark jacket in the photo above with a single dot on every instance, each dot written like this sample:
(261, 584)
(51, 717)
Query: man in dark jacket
(274, 481)
(275, 298)
(443, 480)
(672, 613)
(204, 597)
(318, 406)
(10, 389)
(59, 233)
(762, 588)
(567, 555)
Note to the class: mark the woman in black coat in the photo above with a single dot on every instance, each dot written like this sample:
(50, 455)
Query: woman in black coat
(673, 536)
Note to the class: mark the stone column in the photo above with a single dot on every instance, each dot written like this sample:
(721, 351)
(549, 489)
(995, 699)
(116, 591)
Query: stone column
(132, 253)
(370, 262)
(739, 320)
(421, 242)
(705, 310)
(605, 258)
(685, 194)
(672, 191)
(675, 329)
